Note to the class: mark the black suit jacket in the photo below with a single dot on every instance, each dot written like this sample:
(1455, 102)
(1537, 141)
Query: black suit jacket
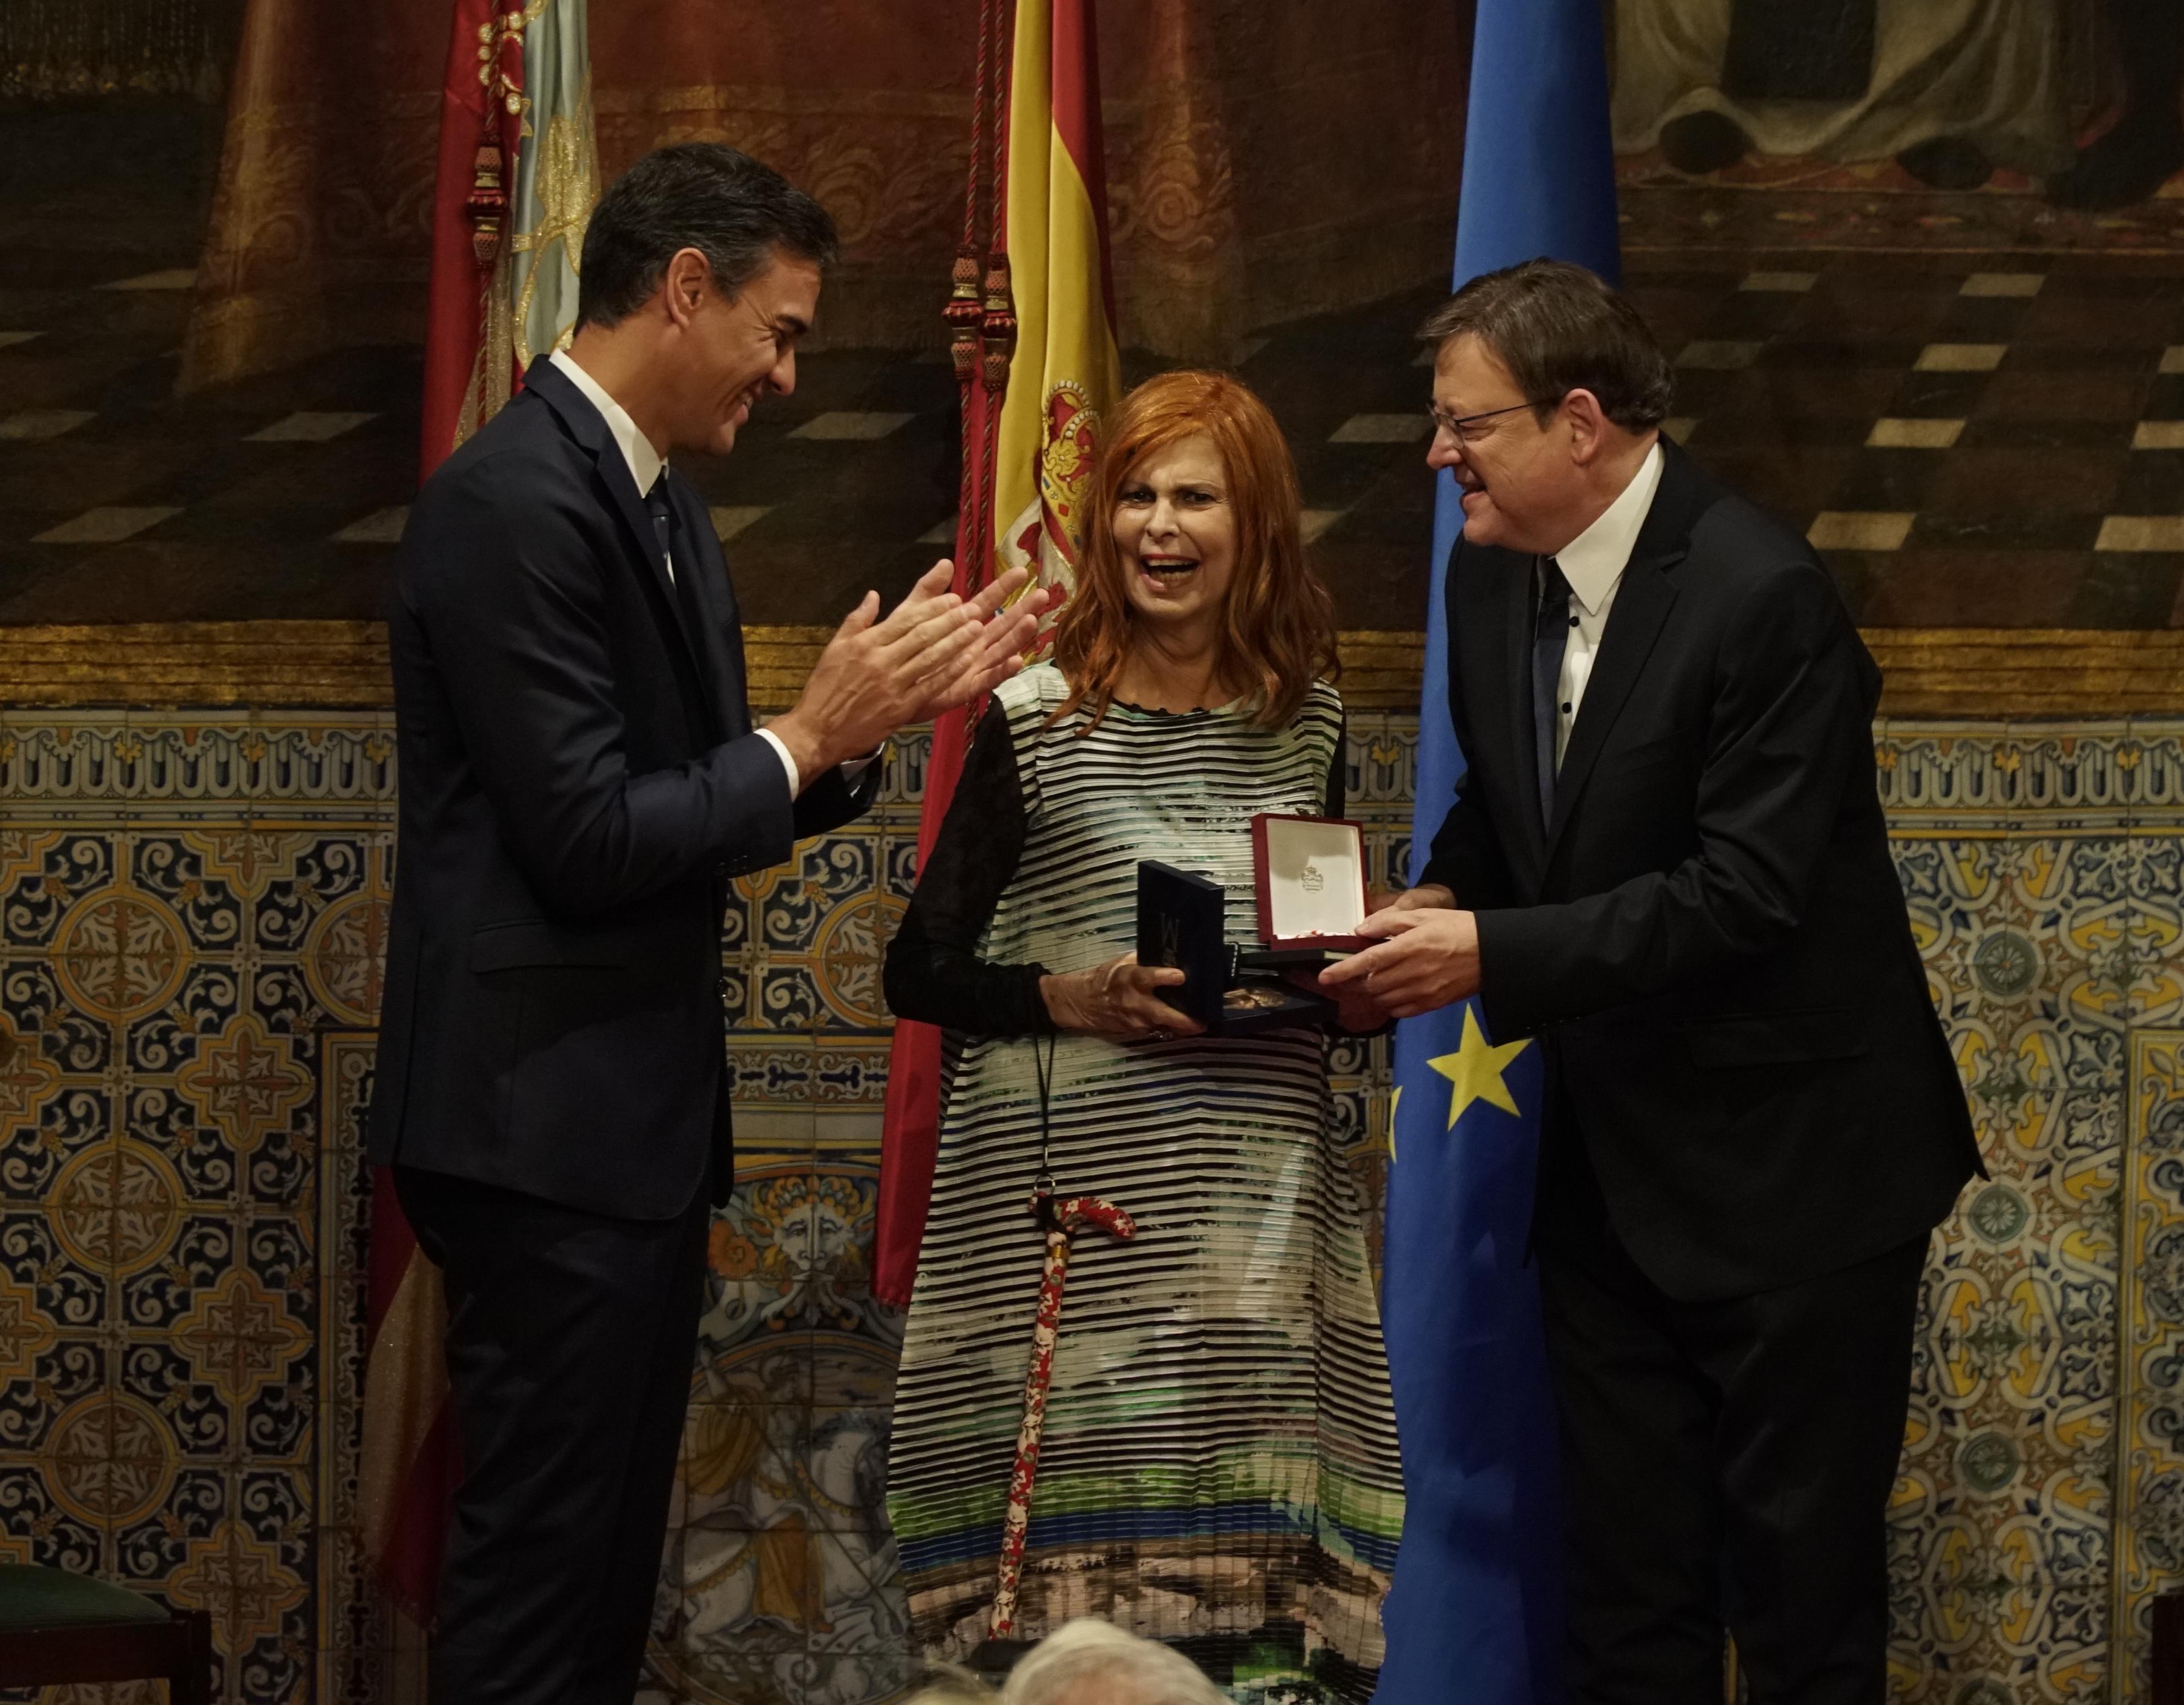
(579, 783)
(1710, 938)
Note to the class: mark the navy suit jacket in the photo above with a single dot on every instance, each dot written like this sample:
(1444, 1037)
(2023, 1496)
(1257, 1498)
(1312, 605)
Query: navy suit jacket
(580, 783)
(1745, 1071)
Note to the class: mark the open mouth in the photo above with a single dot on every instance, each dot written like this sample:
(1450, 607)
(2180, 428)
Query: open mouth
(1167, 570)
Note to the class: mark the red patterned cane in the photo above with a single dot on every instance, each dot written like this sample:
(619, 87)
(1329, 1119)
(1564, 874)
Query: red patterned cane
(1060, 1219)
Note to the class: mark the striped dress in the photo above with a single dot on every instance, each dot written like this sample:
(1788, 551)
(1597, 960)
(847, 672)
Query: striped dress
(1219, 1466)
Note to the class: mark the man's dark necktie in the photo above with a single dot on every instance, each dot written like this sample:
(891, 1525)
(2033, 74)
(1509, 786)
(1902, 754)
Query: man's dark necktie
(1549, 636)
(663, 519)
(663, 528)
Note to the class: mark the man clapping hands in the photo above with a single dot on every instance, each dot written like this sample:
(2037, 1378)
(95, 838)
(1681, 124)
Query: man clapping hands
(581, 780)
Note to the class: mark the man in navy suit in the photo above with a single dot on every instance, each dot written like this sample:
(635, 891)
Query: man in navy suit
(580, 782)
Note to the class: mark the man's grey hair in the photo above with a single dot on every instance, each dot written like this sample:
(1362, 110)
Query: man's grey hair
(1128, 1671)
(1559, 328)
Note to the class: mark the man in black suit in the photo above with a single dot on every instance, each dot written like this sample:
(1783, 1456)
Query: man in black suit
(581, 781)
(1667, 861)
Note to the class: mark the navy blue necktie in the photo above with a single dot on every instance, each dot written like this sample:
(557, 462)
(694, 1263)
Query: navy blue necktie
(663, 519)
(684, 581)
(663, 527)
(1550, 629)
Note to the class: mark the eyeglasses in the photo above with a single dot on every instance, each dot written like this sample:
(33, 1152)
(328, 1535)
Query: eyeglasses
(1458, 426)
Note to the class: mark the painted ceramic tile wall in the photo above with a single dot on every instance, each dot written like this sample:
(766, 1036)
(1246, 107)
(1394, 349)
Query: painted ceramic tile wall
(2040, 1500)
(191, 915)
(192, 911)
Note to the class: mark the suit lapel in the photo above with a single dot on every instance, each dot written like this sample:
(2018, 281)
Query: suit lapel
(720, 632)
(1489, 608)
(589, 428)
(1641, 605)
(1642, 602)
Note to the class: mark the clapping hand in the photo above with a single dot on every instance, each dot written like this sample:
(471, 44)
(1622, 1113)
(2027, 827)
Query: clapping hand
(1005, 634)
(934, 650)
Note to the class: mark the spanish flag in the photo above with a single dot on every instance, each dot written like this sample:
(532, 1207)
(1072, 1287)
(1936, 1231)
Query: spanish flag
(518, 174)
(1064, 377)
(1068, 372)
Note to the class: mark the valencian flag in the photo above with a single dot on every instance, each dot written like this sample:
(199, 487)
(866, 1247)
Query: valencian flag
(1031, 435)
(518, 174)
(1477, 1588)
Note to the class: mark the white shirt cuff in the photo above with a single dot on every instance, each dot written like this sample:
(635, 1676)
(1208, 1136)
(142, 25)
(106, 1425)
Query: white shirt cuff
(787, 763)
(851, 770)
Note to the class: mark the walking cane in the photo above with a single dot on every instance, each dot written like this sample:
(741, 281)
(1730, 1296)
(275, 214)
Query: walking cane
(1061, 1221)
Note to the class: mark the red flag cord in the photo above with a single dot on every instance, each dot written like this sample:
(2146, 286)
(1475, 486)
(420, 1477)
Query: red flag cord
(982, 339)
(981, 314)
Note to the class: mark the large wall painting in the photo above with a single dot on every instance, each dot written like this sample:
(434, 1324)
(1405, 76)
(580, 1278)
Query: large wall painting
(2064, 112)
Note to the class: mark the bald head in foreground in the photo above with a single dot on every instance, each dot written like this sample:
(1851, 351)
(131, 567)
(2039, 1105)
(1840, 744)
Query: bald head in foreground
(1086, 1661)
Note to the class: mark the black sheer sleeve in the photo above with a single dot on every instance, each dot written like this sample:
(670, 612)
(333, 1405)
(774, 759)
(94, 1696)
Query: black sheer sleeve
(933, 971)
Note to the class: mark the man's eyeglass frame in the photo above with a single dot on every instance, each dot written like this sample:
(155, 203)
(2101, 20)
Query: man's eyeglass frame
(1455, 425)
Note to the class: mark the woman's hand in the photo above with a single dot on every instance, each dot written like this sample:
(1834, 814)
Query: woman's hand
(1117, 999)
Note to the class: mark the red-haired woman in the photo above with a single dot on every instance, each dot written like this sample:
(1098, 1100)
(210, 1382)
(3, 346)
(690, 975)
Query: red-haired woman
(1219, 1465)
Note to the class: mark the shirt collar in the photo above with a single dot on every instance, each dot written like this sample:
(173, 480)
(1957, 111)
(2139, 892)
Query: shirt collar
(645, 463)
(1594, 561)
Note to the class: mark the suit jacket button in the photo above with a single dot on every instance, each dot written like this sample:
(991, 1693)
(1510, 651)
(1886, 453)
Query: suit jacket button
(720, 983)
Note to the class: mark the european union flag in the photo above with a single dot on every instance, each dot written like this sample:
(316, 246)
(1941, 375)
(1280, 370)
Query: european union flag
(1476, 1609)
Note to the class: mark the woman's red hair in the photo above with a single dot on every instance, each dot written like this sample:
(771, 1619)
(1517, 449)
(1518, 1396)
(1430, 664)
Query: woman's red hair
(1277, 626)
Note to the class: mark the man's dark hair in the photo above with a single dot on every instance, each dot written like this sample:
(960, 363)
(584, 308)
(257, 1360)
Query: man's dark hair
(1559, 328)
(732, 209)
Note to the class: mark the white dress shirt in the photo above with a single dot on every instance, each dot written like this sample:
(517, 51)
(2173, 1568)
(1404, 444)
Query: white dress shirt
(646, 465)
(1593, 563)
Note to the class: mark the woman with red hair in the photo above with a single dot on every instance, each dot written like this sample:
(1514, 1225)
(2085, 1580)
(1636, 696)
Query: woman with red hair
(1218, 1469)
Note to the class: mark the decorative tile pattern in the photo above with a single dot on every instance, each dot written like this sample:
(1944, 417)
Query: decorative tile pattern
(2147, 1535)
(2041, 866)
(193, 913)
(185, 966)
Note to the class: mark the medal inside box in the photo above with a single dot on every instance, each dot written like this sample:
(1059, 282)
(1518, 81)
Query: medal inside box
(1310, 875)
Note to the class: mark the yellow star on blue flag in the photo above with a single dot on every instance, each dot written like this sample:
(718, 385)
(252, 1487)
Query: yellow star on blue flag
(1475, 1070)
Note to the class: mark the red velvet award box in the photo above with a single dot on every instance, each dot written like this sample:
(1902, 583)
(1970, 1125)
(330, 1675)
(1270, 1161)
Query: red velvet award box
(1310, 873)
